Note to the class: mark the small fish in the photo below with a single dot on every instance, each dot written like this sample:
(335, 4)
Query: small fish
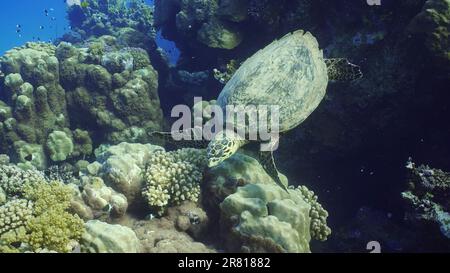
(84, 4)
(41, 27)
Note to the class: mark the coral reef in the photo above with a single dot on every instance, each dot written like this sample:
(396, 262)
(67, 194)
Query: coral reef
(201, 22)
(169, 234)
(59, 146)
(101, 237)
(13, 179)
(37, 219)
(427, 197)
(173, 177)
(123, 165)
(120, 95)
(227, 24)
(224, 179)
(99, 87)
(130, 20)
(432, 26)
(34, 102)
(109, 93)
(319, 229)
(94, 200)
(266, 213)
(256, 215)
(224, 76)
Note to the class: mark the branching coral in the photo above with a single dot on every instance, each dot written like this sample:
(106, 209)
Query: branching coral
(319, 228)
(15, 214)
(13, 179)
(36, 218)
(173, 177)
(52, 227)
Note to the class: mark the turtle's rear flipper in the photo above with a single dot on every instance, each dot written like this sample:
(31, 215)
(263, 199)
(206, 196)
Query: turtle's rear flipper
(268, 163)
(189, 142)
(342, 70)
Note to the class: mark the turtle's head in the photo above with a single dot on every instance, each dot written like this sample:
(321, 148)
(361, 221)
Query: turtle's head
(222, 147)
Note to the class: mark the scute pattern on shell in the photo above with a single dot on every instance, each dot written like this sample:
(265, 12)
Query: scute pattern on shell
(290, 73)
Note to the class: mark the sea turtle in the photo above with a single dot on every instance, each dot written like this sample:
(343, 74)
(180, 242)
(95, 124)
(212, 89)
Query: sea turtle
(291, 73)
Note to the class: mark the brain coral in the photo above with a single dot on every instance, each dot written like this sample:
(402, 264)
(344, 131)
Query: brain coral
(173, 177)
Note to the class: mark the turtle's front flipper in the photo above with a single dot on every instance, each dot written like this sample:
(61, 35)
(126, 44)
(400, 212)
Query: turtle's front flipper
(342, 70)
(268, 163)
(168, 138)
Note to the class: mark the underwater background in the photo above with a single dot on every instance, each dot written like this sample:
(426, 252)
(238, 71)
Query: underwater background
(84, 84)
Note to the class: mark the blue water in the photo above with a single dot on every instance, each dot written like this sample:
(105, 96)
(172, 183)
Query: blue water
(35, 25)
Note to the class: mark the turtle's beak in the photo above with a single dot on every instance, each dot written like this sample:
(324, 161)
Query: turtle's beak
(213, 162)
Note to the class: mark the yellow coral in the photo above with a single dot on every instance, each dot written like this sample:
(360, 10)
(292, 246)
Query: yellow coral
(53, 195)
(51, 226)
(8, 239)
(54, 230)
